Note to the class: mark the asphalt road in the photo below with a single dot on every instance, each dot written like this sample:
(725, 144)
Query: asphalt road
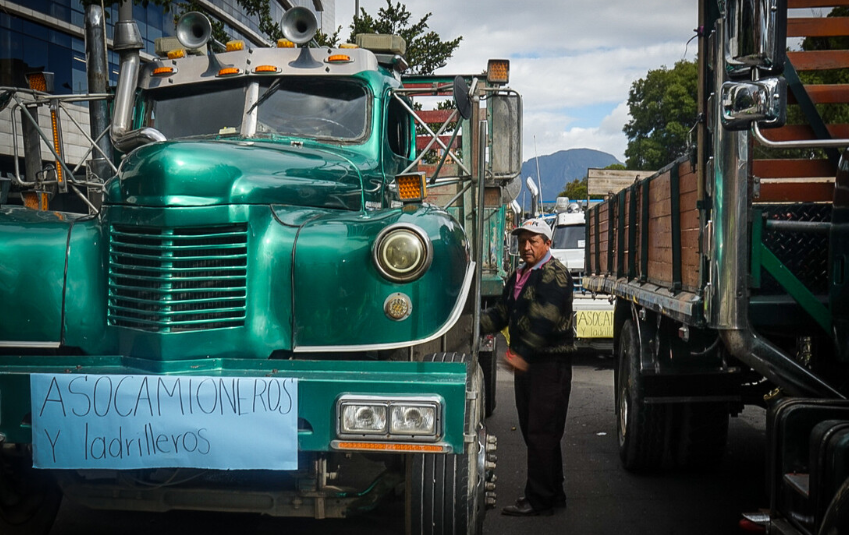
(603, 498)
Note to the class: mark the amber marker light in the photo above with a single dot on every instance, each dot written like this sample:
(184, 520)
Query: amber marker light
(339, 58)
(285, 43)
(266, 69)
(40, 81)
(411, 187)
(233, 46)
(164, 71)
(348, 45)
(498, 71)
(229, 71)
(177, 53)
(377, 446)
(57, 146)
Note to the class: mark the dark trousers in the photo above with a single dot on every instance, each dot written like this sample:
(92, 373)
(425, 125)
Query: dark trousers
(542, 399)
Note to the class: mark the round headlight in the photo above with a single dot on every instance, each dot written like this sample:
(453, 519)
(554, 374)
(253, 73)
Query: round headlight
(402, 253)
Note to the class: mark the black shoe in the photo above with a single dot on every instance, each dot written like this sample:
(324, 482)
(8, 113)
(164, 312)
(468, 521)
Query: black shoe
(523, 508)
(559, 502)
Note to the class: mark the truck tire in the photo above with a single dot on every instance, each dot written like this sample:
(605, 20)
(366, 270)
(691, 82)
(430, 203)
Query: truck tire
(29, 498)
(702, 434)
(445, 493)
(488, 361)
(641, 427)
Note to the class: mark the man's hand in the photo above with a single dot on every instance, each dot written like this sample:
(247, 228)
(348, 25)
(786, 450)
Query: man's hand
(515, 361)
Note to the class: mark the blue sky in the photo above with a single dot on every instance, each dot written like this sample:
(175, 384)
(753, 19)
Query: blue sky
(572, 60)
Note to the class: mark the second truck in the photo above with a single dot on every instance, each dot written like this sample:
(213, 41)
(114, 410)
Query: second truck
(730, 269)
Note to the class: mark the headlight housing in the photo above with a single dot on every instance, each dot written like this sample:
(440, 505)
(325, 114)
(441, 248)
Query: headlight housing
(402, 252)
(413, 418)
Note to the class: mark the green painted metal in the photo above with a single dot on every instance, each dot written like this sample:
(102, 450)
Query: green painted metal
(632, 232)
(675, 200)
(807, 300)
(33, 246)
(320, 385)
(204, 173)
(620, 230)
(645, 185)
(349, 310)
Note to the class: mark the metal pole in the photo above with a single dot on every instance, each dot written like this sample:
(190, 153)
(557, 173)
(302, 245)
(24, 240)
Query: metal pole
(481, 220)
(98, 82)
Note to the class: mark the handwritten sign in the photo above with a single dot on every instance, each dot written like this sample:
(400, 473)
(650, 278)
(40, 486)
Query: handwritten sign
(594, 323)
(143, 421)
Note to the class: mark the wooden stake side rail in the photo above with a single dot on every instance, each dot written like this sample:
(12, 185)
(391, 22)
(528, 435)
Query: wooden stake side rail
(649, 232)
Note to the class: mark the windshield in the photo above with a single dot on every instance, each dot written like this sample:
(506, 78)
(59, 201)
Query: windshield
(568, 237)
(320, 108)
(196, 110)
(311, 107)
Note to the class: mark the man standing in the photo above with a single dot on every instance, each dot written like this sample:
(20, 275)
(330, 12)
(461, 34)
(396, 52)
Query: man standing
(536, 307)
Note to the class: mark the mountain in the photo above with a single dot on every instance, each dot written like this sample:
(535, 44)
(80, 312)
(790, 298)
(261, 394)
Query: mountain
(558, 169)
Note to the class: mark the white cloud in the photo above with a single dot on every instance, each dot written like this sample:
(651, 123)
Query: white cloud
(568, 58)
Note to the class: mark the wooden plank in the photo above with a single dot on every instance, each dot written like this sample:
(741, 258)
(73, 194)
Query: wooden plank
(689, 220)
(799, 4)
(422, 141)
(817, 27)
(792, 168)
(434, 116)
(796, 192)
(819, 60)
(824, 94)
(798, 132)
(605, 181)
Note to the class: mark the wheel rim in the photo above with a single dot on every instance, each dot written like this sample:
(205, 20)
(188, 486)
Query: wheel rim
(623, 415)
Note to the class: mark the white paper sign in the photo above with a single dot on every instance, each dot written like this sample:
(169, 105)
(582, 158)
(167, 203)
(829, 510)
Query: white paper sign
(147, 421)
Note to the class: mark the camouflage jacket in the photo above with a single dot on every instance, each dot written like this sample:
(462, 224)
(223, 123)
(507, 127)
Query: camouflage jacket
(539, 321)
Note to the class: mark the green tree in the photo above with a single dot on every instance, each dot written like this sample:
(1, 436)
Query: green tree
(663, 108)
(426, 51)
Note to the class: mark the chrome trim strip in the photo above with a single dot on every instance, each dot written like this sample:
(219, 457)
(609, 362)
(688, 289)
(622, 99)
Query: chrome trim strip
(30, 345)
(455, 315)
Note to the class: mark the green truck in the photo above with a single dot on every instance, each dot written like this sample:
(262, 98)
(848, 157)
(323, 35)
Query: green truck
(259, 311)
(730, 268)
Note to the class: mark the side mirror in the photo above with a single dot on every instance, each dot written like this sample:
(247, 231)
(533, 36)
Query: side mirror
(756, 36)
(762, 101)
(505, 116)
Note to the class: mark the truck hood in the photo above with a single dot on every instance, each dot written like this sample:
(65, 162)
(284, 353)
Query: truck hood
(205, 173)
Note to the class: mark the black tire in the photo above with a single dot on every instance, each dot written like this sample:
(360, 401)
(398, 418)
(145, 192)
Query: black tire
(29, 498)
(488, 361)
(642, 428)
(702, 433)
(445, 493)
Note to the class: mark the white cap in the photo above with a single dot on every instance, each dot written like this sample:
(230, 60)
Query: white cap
(537, 226)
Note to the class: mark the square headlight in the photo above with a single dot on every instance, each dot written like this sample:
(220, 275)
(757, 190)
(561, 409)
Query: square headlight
(363, 418)
(401, 418)
(414, 419)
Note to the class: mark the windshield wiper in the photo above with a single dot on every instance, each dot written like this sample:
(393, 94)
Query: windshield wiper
(275, 85)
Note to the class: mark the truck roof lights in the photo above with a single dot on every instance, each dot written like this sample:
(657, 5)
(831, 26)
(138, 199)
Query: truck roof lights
(339, 58)
(266, 69)
(498, 71)
(285, 43)
(229, 71)
(233, 46)
(177, 53)
(164, 71)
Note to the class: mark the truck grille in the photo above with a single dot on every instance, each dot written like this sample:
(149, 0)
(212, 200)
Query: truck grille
(177, 280)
